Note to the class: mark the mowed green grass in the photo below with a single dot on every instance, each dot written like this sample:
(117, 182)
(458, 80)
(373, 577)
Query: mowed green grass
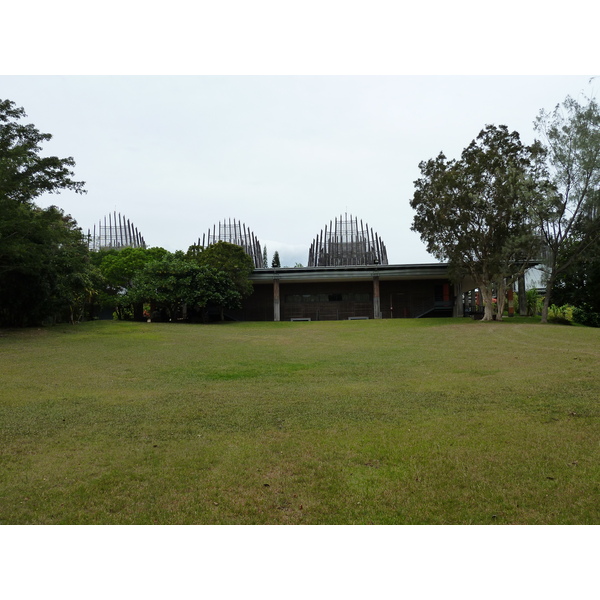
(434, 421)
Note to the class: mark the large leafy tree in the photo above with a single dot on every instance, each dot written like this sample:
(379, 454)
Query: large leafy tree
(231, 260)
(24, 174)
(44, 268)
(579, 283)
(474, 212)
(234, 264)
(175, 281)
(569, 219)
(47, 276)
(118, 267)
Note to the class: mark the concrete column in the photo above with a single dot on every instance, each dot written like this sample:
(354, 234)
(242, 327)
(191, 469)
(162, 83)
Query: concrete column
(459, 307)
(376, 298)
(276, 301)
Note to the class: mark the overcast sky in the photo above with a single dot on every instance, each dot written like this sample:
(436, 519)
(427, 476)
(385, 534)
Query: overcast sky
(282, 154)
(231, 138)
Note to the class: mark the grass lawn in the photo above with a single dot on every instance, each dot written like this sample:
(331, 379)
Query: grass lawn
(433, 421)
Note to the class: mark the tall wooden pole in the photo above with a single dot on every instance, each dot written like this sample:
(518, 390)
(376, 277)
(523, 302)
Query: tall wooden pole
(376, 298)
(276, 301)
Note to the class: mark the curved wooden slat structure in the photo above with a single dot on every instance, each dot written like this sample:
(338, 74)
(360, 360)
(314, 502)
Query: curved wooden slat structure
(114, 232)
(235, 233)
(347, 244)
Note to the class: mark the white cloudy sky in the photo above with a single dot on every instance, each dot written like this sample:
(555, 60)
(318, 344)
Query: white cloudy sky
(279, 116)
(283, 154)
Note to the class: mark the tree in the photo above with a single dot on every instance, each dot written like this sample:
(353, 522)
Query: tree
(579, 283)
(44, 266)
(47, 275)
(265, 258)
(276, 263)
(569, 219)
(24, 174)
(236, 266)
(175, 281)
(118, 268)
(474, 212)
(71, 278)
(232, 260)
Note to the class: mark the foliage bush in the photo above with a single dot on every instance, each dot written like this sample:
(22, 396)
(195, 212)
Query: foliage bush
(561, 314)
(534, 303)
(586, 317)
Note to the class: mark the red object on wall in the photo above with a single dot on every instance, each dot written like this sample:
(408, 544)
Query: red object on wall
(446, 292)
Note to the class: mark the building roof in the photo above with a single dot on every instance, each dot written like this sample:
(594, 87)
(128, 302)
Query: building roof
(350, 273)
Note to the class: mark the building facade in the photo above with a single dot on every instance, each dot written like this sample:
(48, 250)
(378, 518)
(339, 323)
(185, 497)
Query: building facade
(351, 292)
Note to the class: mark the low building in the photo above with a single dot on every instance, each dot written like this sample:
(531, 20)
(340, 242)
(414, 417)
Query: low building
(351, 292)
(348, 277)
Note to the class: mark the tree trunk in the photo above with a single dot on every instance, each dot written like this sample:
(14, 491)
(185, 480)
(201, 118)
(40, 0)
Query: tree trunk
(138, 311)
(545, 307)
(549, 286)
(486, 293)
(501, 298)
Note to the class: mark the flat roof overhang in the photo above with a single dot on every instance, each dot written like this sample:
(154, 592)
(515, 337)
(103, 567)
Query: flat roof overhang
(350, 273)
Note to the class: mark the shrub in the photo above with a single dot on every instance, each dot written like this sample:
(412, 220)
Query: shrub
(561, 314)
(534, 303)
(586, 317)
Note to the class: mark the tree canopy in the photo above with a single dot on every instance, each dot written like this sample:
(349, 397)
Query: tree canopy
(24, 173)
(44, 266)
(176, 285)
(231, 259)
(569, 217)
(579, 283)
(474, 212)
(117, 268)
(176, 280)
(276, 262)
